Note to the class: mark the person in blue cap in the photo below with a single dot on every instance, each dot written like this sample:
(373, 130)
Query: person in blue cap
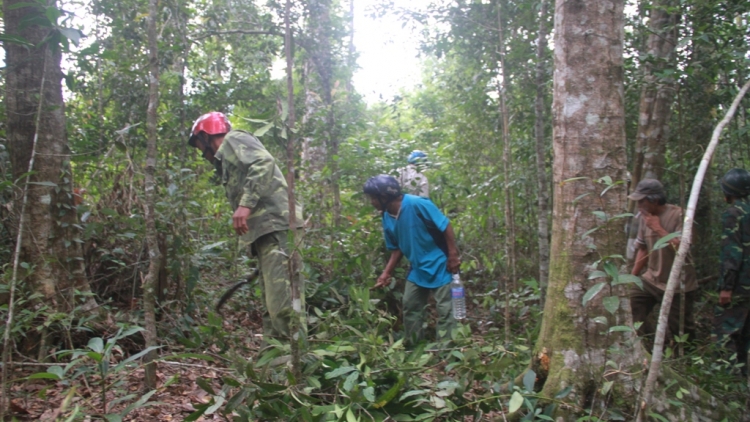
(415, 228)
(411, 178)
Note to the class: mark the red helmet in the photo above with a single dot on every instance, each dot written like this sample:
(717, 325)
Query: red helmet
(213, 123)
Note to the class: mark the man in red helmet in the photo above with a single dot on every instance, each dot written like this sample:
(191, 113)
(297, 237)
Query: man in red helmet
(257, 191)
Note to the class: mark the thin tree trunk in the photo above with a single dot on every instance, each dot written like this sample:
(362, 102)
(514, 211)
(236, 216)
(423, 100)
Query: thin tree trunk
(296, 329)
(510, 228)
(149, 282)
(541, 162)
(674, 275)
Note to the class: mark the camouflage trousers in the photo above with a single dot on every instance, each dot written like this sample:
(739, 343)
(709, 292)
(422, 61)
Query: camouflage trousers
(273, 261)
(731, 328)
(415, 302)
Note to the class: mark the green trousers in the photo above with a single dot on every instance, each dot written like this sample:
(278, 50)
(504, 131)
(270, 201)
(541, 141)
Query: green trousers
(273, 261)
(415, 302)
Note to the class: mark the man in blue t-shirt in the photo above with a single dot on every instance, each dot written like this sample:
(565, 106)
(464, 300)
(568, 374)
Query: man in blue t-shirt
(414, 227)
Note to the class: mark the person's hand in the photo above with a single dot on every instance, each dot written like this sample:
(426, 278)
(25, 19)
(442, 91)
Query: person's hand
(239, 220)
(651, 220)
(383, 280)
(725, 297)
(454, 263)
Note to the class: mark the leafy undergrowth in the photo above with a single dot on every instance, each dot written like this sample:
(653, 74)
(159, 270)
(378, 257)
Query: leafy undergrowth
(354, 368)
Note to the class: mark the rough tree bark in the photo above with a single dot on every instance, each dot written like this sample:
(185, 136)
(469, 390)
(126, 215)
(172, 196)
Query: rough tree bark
(657, 93)
(149, 281)
(589, 144)
(50, 242)
(575, 348)
(541, 162)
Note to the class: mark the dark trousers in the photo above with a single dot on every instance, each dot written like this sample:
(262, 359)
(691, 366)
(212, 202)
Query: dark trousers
(642, 302)
(731, 328)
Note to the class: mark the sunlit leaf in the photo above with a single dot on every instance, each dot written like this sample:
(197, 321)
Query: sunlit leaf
(516, 400)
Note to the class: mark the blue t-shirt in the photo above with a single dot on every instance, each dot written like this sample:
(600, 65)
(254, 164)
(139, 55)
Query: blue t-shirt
(418, 233)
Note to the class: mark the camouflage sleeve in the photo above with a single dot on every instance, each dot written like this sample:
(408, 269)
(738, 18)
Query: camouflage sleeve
(731, 249)
(260, 166)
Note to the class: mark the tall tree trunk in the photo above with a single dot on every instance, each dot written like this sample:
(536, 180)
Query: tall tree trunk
(49, 242)
(149, 283)
(541, 161)
(510, 228)
(575, 346)
(657, 93)
(296, 329)
(589, 144)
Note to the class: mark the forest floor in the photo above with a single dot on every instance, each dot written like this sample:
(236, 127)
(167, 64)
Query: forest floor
(177, 390)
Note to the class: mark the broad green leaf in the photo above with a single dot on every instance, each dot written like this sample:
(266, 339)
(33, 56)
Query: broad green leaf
(516, 400)
(205, 385)
(340, 371)
(664, 241)
(611, 303)
(592, 292)
(219, 400)
(350, 381)
(629, 278)
(600, 320)
(619, 328)
(600, 215)
(350, 417)
(611, 269)
(44, 375)
(369, 394)
(597, 274)
(262, 131)
(529, 379)
(96, 344)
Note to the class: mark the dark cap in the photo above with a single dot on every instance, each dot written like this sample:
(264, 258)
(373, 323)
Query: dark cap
(647, 187)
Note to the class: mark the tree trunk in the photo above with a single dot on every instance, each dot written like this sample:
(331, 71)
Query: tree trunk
(149, 282)
(657, 93)
(541, 162)
(577, 349)
(50, 243)
(510, 228)
(296, 329)
(589, 144)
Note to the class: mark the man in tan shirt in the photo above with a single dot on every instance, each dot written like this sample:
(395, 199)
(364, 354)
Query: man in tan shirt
(657, 220)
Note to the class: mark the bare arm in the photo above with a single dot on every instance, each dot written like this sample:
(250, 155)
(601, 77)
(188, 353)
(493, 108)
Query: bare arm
(384, 278)
(641, 258)
(454, 262)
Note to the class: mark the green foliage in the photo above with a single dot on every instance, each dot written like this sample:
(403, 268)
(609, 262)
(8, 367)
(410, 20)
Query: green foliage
(94, 365)
(354, 369)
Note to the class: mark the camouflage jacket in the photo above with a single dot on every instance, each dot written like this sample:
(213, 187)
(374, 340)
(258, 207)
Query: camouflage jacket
(252, 179)
(735, 248)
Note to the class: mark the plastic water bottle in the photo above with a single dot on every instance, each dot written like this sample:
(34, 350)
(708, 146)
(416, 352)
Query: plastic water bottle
(459, 301)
